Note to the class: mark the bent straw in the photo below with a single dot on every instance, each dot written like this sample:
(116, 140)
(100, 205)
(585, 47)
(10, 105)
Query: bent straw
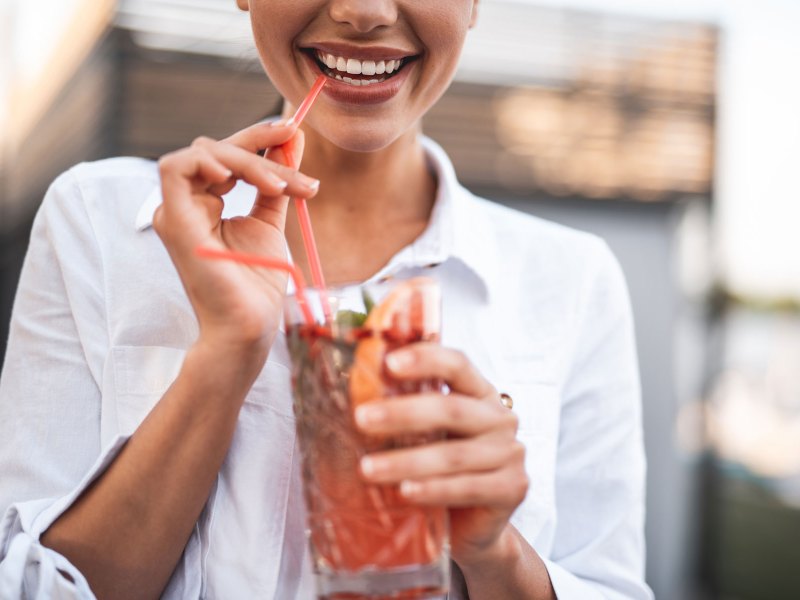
(300, 203)
(305, 106)
(269, 263)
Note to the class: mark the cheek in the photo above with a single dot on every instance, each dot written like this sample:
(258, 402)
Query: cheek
(442, 24)
(443, 28)
(276, 23)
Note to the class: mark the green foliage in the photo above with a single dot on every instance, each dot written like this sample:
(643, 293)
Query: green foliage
(369, 302)
(350, 318)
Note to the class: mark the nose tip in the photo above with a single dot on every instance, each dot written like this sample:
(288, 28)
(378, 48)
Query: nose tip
(364, 15)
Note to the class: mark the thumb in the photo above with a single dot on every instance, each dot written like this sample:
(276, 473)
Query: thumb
(293, 148)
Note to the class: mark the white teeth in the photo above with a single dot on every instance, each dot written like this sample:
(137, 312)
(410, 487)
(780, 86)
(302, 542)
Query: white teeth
(358, 82)
(393, 65)
(353, 66)
(368, 67)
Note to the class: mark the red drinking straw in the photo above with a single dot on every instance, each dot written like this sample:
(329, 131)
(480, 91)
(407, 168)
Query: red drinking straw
(300, 203)
(269, 263)
(305, 106)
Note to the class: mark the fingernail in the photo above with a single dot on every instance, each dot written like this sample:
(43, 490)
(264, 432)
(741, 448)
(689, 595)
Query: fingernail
(228, 173)
(277, 181)
(313, 185)
(282, 123)
(368, 466)
(399, 360)
(409, 488)
(369, 415)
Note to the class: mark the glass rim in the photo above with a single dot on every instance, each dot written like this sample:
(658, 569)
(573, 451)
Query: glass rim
(333, 289)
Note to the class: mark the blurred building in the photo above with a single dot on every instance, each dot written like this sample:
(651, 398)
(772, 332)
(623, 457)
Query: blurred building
(606, 123)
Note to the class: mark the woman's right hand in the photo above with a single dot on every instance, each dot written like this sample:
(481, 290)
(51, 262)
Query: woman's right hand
(237, 306)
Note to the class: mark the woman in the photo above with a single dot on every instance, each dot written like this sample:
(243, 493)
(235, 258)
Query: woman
(146, 394)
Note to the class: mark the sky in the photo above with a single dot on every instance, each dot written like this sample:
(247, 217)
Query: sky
(757, 208)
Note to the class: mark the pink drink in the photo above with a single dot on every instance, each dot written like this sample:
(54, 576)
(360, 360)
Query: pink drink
(367, 541)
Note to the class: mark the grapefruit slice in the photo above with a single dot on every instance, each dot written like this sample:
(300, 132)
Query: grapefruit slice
(410, 312)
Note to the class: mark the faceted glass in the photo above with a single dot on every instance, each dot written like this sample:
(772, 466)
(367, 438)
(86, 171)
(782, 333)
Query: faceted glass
(366, 540)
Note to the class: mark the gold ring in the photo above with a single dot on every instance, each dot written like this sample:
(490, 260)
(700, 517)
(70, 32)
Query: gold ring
(506, 400)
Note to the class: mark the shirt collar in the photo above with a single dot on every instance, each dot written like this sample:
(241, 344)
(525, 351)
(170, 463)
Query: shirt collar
(458, 228)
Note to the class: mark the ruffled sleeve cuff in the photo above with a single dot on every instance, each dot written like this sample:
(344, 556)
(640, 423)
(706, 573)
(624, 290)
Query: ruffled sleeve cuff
(30, 570)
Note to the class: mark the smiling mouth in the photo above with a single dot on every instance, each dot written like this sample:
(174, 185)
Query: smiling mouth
(357, 72)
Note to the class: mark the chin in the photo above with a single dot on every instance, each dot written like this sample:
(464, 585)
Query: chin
(359, 134)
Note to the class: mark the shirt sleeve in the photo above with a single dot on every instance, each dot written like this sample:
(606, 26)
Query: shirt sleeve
(31, 570)
(50, 398)
(598, 550)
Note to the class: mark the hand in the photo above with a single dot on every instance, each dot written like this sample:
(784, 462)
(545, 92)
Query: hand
(478, 472)
(236, 305)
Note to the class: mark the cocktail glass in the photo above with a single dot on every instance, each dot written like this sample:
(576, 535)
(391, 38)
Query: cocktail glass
(367, 541)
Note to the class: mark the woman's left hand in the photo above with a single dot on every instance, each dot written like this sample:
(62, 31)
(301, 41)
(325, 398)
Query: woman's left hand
(478, 472)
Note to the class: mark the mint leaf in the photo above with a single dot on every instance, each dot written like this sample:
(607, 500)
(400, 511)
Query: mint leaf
(350, 318)
(369, 303)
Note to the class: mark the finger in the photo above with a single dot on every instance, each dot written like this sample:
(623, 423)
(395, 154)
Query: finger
(223, 188)
(273, 210)
(182, 174)
(294, 146)
(444, 458)
(455, 413)
(185, 230)
(270, 209)
(202, 169)
(191, 176)
(183, 167)
(262, 136)
(274, 154)
(427, 360)
(505, 488)
(271, 178)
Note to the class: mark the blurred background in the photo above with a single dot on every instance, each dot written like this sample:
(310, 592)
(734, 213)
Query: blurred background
(668, 127)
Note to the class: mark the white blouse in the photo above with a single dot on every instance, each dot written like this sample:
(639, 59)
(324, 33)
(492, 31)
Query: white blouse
(101, 325)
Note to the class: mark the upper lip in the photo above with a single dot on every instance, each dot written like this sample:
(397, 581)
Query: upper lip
(361, 52)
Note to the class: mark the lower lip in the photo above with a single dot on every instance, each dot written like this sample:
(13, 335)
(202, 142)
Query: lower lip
(374, 93)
